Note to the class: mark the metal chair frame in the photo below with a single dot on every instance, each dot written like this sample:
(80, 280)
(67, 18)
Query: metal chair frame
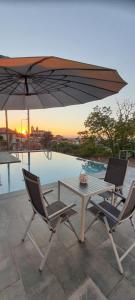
(121, 165)
(107, 217)
(59, 216)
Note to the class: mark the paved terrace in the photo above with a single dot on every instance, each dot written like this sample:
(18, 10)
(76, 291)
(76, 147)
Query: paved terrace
(70, 266)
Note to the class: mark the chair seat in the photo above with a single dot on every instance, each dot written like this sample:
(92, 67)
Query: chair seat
(56, 206)
(106, 195)
(109, 208)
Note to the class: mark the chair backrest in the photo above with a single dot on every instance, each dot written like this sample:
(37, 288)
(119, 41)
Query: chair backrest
(129, 205)
(33, 187)
(116, 171)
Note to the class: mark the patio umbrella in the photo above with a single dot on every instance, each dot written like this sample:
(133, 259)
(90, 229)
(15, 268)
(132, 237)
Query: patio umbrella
(45, 82)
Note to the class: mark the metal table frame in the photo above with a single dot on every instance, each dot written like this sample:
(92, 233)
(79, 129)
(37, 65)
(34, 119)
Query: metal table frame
(94, 186)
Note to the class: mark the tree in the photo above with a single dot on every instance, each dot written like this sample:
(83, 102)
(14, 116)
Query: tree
(110, 131)
(125, 126)
(101, 124)
(1, 138)
(47, 139)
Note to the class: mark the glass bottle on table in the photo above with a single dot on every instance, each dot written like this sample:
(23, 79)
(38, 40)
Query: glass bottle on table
(83, 177)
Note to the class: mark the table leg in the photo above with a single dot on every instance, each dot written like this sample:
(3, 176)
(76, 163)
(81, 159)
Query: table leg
(113, 199)
(58, 190)
(82, 220)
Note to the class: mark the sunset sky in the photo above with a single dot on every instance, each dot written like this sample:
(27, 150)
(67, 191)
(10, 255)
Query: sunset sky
(94, 32)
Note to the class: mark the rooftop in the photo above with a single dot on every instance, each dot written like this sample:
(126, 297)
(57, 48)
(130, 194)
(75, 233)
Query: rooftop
(70, 265)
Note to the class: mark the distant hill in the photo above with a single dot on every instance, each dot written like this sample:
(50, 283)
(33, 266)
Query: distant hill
(3, 56)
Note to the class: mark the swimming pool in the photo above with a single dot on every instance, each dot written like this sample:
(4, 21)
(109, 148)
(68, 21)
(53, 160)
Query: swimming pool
(49, 166)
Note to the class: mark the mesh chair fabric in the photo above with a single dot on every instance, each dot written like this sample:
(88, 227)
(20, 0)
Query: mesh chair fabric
(116, 171)
(33, 187)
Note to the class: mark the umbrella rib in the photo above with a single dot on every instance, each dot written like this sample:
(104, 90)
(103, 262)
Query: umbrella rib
(81, 83)
(56, 85)
(75, 69)
(6, 86)
(100, 88)
(38, 62)
(57, 99)
(9, 95)
(41, 99)
(38, 96)
(73, 97)
(3, 77)
(98, 79)
(8, 69)
(7, 81)
(80, 91)
(89, 94)
(52, 95)
(40, 89)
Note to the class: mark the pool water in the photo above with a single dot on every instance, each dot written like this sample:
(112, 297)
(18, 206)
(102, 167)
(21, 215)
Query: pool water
(49, 166)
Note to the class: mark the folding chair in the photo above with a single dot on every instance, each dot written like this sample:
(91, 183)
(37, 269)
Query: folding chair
(53, 214)
(115, 174)
(111, 217)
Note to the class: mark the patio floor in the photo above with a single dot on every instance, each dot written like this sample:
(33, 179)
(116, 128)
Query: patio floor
(70, 264)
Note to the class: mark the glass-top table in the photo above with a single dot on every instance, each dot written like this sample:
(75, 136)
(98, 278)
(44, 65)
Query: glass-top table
(93, 187)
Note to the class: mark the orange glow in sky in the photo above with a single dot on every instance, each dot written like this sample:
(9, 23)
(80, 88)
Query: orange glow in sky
(102, 45)
(24, 131)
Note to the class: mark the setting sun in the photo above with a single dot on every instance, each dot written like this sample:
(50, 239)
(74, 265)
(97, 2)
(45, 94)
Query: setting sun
(24, 131)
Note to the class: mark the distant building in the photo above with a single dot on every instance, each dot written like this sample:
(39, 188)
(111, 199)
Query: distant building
(11, 134)
(11, 137)
(75, 141)
(36, 132)
(58, 138)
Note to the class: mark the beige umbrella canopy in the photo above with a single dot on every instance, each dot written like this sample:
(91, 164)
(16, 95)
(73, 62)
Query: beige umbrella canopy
(44, 82)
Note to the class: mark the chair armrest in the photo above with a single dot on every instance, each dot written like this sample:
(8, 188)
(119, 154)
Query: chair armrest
(119, 195)
(47, 192)
(104, 211)
(61, 211)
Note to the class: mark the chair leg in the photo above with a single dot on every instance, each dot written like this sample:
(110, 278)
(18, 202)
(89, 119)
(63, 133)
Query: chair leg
(51, 239)
(132, 223)
(43, 261)
(93, 221)
(114, 246)
(28, 226)
(88, 203)
(72, 229)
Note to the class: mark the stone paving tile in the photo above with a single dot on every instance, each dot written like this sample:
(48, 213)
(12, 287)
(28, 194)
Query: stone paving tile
(95, 266)
(36, 284)
(15, 231)
(69, 263)
(48, 291)
(88, 290)
(128, 263)
(121, 239)
(8, 272)
(124, 291)
(14, 292)
(62, 266)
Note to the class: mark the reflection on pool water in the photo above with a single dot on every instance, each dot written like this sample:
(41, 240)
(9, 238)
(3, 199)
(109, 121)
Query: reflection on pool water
(49, 166)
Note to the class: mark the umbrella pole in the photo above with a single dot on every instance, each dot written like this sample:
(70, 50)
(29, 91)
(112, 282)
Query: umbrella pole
(6, 117)
(28, 117)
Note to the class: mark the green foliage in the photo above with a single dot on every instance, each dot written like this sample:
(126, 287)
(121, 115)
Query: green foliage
(1, 138)
(113, 133)
(47, 139)
(66, 147)
(91, 149)
(104, 135)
